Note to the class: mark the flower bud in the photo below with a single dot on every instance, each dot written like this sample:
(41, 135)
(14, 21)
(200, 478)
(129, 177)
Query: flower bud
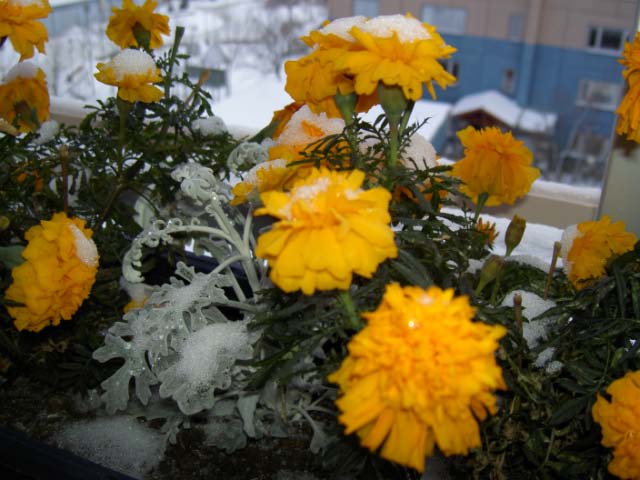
(393, 101)
(347, 105)
(514, 233)
(489, 272)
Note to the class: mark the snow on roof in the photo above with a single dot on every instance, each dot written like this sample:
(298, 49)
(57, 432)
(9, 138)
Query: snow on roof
(506, 110)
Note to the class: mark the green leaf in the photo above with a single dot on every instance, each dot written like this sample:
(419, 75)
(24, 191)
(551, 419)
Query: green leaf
(11, 256)
(567, 410)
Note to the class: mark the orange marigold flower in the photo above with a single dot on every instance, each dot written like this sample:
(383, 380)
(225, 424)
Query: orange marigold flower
(488, 229)
(620, 423)
(420, 374)
(629, 109)
(123, 21)
(589, 246)
(494, 163)
(134, 72)
(59, 270)
(328, 228)
(398, 51)
(24, 97)
(281, 117)
(19, 22)
(315, 80)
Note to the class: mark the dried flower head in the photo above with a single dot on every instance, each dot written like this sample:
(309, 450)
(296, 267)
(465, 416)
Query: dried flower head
(124, 21)
(19, 22)
(589, 246)
(328, 228)
(420, 374)
(24, 97)
(620, 423)
(494, 163)
(59, 270)
(134, 72)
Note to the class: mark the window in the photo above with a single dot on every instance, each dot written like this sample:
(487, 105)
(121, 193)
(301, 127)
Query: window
(599, 95)
(508, 84)
(366, 8)
(515, 28)
(606, 39)
(446, 19)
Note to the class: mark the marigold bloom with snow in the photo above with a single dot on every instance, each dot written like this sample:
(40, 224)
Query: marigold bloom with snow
(123, 22)
(620, 423)
(315, 80)
(494, 163)
(24, 97)
(420, 374)
(589, 246)
(59, 270)
(134, 72)
(398, 51)
(264, 177)
(303, 129)
(327, 229)
(629, 109)
(19, 22)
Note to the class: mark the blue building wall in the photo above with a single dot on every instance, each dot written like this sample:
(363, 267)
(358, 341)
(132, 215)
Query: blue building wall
(547, 78)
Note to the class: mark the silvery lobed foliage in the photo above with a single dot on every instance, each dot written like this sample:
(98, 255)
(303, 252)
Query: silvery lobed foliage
(247, 155)
(157, 342)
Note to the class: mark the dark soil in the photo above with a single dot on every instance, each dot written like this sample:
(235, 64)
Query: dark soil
(38, 411)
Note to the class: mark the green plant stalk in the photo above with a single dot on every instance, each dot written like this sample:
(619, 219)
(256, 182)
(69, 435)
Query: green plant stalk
(353, 319)
(482, 199)
(394, 142)
(172, 60)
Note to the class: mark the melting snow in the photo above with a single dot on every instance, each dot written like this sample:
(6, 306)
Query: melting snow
(86, 249)
(295, 134)
(48, 130)
(532, 306)
(21, 70)
(131, 62)
(120, 443)
(408, 29)
(342, 26)
(210, 126)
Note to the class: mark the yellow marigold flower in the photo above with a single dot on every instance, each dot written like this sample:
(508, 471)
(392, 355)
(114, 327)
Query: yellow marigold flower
(328, 228)
(315, 80)
(589, 246)
(620, 423)
(303, 128)
(134, 72)
(397, 51)
(24, 97)
(59, 270)
(264, 177)
(488, 229)
(283, 116)
(629, 109)
(420, 373)
(122, 22)
(19, 22)
(494, 163)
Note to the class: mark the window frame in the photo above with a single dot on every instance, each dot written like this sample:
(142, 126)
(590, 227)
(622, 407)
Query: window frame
(598, 48)
(445, 29)
(587, 84)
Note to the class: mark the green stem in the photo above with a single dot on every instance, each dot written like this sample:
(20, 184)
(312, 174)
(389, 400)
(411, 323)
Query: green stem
(405, 117)
(393, 141)
(482, 199)
(172, 60)
(353, 319)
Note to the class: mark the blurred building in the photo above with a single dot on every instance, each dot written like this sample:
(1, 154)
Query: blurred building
(551, 56)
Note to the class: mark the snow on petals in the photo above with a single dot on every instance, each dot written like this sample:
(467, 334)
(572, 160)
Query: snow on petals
(59, 270)
(134, 72)
(328, 228)
(24, 97)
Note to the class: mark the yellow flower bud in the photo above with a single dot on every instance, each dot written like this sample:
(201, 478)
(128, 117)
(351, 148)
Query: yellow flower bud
(514, 233)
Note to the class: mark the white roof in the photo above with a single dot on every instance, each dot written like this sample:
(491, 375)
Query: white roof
(506, 110)
(436, 112)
